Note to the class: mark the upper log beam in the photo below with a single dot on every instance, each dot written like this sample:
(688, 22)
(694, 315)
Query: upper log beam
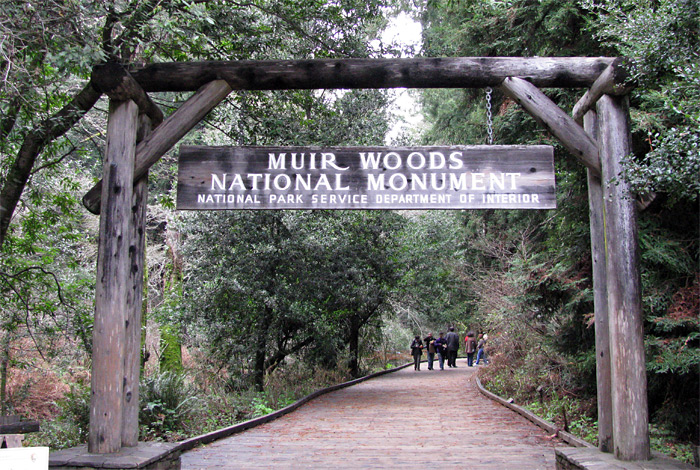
(457, 72)
(113, 80)
(613, 81)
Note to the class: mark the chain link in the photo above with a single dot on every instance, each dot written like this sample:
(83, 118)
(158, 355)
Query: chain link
(489, 122)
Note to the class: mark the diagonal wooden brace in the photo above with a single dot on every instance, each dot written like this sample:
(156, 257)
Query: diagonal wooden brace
(154, 146)
(561, 125)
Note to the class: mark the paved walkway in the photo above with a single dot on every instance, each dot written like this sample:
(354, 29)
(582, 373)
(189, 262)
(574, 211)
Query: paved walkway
(406, 419)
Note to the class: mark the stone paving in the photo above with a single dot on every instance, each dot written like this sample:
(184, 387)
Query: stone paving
(406, 419)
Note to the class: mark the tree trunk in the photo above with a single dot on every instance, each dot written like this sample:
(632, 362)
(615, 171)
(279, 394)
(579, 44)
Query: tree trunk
(261, 350)
(354, 345)
(4, 361)
(170, 349)
(170, 343)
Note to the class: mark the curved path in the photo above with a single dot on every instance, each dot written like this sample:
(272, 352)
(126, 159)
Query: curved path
(406, 419)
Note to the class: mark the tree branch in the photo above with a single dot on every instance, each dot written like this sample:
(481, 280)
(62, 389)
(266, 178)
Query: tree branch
(34, 142)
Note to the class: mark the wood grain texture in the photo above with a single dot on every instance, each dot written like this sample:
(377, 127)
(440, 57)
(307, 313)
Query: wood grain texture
(628, 366)
(454, 177)
(447, 72)
(596, 211)
(405, 419)
(563, 127)
(134, 305)
(112, 273)
(154, 146)
(613, 81)
(113, 80)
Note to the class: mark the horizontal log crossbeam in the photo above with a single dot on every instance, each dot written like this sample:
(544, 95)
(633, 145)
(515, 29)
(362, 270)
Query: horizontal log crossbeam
(452, 72)
(459, 72)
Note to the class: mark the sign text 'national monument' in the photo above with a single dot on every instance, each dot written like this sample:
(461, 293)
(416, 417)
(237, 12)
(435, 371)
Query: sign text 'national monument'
(454, 177)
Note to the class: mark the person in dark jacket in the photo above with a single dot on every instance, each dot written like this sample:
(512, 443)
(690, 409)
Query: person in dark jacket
(416, 351)
(429, 344)
(452, 339)
(440, 349)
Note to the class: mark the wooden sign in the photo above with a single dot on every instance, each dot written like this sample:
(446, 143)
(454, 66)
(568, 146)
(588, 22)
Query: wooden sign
(454, 177)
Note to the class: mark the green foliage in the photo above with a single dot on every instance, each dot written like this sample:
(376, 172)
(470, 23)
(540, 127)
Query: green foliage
(71, 426)
(167, 403)
(566, 413)
(661, 41)
(260, 408)
(662, 440)
(262, 286)
(527, 277)
(45, 271)
(430, 295)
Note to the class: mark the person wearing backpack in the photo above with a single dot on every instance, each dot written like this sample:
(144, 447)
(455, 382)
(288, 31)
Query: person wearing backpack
(470, 347)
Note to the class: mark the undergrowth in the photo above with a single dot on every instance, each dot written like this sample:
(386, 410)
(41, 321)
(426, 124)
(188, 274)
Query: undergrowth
(174, 406)
(526, 384)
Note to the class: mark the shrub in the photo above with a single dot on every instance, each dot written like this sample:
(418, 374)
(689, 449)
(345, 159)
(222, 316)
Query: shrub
(167, 403)
(72, 424)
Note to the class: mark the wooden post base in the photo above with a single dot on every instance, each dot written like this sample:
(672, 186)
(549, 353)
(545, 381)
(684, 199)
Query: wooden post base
(587, 458)
(146, 455)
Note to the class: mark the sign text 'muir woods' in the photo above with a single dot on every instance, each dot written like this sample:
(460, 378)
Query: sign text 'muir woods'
(454, 177)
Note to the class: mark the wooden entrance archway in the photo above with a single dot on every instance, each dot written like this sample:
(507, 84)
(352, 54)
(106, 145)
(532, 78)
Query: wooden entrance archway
(132, 148)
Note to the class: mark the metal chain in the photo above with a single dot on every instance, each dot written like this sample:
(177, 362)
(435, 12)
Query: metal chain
(489, 122)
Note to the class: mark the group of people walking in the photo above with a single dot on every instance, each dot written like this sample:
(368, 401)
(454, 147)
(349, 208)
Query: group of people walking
(446, 346)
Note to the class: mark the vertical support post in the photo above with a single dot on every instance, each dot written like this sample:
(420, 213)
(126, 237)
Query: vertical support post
(629, 381)
(596, 211)
(112, 274)
(132, 353)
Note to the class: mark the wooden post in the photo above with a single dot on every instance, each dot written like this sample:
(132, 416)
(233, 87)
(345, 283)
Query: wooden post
(629, 381)
(112, 274)
(600, 298)
(168, 134)
(132, 353)
(610, 82)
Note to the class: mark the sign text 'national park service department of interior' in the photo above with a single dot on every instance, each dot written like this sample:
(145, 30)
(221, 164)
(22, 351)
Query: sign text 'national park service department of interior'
(454, 177)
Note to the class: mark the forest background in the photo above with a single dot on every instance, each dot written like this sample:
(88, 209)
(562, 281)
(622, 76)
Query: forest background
(247, 311)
